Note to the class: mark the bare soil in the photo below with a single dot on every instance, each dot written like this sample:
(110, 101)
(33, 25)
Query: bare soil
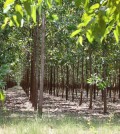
(18, 104)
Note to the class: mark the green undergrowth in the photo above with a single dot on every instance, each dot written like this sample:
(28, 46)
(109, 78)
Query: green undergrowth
(63, 125)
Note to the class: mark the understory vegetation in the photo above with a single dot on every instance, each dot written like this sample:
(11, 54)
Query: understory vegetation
(66, 125)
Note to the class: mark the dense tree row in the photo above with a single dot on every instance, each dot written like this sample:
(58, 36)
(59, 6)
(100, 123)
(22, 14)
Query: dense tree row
(85, 66)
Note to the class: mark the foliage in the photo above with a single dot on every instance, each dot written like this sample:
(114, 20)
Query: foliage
(24, 10)
(2, 96)
(99, 20)
(4, 70)
(95, 79)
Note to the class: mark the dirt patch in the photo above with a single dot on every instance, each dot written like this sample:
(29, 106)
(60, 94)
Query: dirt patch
(18, 104)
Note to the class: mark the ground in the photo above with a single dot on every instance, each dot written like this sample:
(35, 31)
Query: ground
(60, 116)
(18, 103)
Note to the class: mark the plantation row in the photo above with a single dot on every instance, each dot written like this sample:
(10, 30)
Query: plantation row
(83, 75)
(67, 48)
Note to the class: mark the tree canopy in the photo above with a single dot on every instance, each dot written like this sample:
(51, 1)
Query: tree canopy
(76, 41)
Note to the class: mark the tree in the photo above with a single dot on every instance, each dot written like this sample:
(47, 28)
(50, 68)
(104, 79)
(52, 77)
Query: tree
(42, 67)
(72, 64)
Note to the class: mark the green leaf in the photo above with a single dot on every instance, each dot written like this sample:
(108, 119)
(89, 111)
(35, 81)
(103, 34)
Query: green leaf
(81, 25)
(59, 2)
(27, 6)
(49, 3)
(95, 6)
(109, 28)
(6, 9)
(6, 20)
(15, 20)
(19, 9)
(19, 18)
(2, 96)
(33, 14)
(3, 26)
(89, 36)
(39, 2)
(86, 18)
(8, 3)
(116, 34)
(80, 40)
(55, 17)
(78, 3)
(75, 33)
(11, 23)
(102, 25)
(86, 4)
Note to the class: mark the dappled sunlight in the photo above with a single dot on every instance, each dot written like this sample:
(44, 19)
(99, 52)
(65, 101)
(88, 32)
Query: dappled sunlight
(17, 104)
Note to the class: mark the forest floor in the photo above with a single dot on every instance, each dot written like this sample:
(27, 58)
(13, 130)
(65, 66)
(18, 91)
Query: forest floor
(60, 116)
(18, 104)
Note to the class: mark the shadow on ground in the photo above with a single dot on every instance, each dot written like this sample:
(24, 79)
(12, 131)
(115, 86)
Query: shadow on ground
(17, 105)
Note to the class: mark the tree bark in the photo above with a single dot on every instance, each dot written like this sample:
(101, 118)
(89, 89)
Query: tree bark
(91, 87)
(54, 82)
(40, 103)
(62, 81)
(104, 78)
(73, 83)
(82, 81)
(57, 85)
(119, 82)
(67, 81)
(51, 79)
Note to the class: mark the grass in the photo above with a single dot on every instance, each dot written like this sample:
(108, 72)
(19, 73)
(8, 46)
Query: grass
(66, 125)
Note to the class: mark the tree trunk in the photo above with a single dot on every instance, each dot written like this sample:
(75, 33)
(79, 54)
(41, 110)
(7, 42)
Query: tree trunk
(87, 85)
(54, 82)
(33, 74)
(62, 81)
(51, 79)
(91, 87)
(119, 82)
(67, 81)
(94, 87)
(57, 87)
(82, 81)
(40, 103)
(78, 63)
(104, 78)
(73, 83)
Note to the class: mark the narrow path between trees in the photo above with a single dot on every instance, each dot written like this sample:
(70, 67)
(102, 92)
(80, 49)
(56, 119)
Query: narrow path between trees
(18, 104)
